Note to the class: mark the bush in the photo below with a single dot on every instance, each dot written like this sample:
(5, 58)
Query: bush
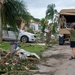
(30, 30)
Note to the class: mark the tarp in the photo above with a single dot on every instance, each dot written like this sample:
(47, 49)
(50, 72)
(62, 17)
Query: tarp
(67, 12)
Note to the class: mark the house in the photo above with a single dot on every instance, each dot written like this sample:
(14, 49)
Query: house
(36, 26)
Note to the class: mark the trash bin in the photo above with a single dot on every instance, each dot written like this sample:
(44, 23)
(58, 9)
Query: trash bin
(61, 40)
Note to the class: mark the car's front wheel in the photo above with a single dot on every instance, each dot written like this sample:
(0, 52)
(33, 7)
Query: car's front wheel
(24, 39)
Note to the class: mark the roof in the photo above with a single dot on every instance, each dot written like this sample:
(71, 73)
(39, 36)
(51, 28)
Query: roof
(34, 22)
(67, 12)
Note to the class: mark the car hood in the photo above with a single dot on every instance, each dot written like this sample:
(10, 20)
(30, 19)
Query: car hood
(28, 33)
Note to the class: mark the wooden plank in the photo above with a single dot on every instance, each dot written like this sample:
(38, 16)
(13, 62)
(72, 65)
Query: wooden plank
(64, 31)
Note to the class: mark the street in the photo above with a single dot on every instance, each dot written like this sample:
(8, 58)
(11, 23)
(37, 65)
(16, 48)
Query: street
(56, 61)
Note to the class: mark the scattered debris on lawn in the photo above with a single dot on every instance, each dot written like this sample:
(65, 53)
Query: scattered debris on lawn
(23, 54)
(20, 62)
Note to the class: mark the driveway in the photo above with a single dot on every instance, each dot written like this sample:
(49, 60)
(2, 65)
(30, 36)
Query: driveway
(56, 61)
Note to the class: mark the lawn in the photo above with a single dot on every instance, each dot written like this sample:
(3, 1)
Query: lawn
(19, 65)
(27, 46)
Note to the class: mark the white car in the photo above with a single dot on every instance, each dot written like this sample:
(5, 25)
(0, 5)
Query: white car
(21, 36)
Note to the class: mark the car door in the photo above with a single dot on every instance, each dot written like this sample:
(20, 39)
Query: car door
(12, 35)
(5, 35)
(9, 34)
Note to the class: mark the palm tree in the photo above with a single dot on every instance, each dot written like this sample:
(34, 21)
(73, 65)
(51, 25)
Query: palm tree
(10, 11)
(50, 12)
(1, 3)
(44, 24)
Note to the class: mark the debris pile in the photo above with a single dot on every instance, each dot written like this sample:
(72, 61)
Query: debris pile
(23, 54)
(19, 64)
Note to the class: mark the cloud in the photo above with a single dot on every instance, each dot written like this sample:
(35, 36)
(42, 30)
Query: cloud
(37, 8)
(38, 12)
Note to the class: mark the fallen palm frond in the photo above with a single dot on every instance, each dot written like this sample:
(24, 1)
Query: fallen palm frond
(14, 66)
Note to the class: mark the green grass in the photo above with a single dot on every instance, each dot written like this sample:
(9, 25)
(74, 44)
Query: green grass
(53, 41)
(28, 47)
(5, 45)
(33, 48)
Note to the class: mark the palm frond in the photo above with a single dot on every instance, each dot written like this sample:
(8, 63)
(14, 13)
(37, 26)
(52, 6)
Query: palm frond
(14, 9)
(50, 11)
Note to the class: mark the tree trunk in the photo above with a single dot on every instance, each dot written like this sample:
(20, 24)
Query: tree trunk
(48, 36)
(42, 37)
(0, 24)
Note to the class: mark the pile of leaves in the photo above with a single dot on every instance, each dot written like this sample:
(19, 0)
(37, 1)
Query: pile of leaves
(15, 66)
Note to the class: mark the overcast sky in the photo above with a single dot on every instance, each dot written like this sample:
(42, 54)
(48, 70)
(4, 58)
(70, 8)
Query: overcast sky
(37, 8)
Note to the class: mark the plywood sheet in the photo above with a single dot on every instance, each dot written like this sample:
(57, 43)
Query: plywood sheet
(64, 31)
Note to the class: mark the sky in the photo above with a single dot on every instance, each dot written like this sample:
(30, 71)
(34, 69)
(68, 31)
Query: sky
(37, 8)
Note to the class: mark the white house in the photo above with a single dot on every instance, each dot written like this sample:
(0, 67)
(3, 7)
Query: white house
(36, 26)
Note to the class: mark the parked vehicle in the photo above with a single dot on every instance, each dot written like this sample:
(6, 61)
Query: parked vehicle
(21, 35)
(64, 35)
